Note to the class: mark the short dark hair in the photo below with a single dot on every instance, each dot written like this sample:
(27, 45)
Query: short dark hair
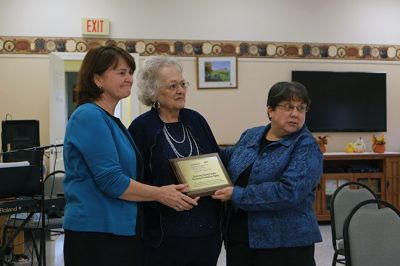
(97, 61)
(287, 91)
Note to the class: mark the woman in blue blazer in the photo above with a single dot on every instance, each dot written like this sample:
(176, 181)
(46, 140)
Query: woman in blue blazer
(275, 170)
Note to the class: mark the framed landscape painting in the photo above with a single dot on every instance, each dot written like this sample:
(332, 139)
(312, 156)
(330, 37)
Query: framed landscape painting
(216, 72)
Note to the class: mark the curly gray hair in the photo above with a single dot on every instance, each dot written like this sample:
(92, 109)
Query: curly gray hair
(148, 77)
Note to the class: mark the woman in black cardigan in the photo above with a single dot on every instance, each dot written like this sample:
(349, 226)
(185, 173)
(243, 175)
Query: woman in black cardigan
(169, 130)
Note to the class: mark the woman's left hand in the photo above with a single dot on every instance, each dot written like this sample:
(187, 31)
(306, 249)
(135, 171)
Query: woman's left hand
(223, 194)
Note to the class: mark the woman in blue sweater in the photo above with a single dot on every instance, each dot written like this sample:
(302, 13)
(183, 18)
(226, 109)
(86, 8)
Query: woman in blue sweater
(102, 169)
(168, 130)
(275, 169)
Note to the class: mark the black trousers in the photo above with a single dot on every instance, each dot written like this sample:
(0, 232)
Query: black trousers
(185, 251)
(101, 249)
(239, 254)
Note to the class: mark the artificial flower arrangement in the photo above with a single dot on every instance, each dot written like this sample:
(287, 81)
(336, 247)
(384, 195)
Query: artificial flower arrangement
(378, 143)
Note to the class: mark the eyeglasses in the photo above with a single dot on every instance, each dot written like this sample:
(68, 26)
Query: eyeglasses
(288, 107)
(175, 85)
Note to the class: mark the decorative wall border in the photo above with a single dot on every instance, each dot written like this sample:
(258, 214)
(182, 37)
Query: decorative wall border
(282, 50)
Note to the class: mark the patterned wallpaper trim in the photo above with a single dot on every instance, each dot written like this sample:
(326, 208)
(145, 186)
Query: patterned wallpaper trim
(250, 49)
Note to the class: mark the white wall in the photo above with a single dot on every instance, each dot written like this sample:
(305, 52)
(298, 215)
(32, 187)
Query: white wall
(338, 21)
(24, 90)
(24, 78)
(230, 111)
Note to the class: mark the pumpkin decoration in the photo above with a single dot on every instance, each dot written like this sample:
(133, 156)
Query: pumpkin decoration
(355, 147)
(378, 144)
(322, 142)
(359, 145)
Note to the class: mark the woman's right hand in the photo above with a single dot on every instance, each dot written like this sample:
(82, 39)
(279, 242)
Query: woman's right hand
(172, 196)
(223, 194)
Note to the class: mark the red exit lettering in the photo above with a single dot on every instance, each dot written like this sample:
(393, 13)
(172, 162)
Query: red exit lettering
(94, 25)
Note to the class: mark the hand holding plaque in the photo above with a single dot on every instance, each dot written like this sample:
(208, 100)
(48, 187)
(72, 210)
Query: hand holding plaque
(204, 173)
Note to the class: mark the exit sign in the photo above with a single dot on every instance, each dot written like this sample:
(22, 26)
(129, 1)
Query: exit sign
(95, 26)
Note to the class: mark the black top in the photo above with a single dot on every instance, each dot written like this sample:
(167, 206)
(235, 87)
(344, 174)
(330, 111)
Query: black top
(238, 225)
(200, 220)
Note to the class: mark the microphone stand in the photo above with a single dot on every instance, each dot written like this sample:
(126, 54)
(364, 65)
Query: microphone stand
(40, 149)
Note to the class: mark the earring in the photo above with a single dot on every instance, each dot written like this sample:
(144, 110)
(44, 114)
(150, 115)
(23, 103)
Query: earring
(156, 105)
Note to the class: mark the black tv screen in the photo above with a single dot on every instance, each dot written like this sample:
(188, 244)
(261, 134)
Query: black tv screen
(345, 101)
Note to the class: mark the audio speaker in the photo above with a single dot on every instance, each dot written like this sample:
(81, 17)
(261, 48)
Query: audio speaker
(19, 135)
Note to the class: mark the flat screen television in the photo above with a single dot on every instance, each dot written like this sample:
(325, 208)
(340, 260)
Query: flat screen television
(345, 101)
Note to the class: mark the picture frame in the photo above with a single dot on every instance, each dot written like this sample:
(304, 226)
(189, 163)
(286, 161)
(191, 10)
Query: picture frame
(217, 72)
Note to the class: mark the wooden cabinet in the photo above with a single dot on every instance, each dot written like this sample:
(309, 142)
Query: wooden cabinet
(380, 172)
(393, 181)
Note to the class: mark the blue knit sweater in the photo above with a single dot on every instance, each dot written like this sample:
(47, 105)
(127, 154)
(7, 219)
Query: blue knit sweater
(100, 161)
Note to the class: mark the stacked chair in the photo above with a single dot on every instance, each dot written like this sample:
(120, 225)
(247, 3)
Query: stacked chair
(344, 199)
(372, 235)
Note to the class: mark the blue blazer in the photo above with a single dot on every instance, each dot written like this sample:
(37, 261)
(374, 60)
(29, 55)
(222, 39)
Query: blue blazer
(281, 190)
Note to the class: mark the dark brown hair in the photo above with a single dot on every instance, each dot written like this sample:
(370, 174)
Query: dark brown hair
(287, 91)
(97, 61)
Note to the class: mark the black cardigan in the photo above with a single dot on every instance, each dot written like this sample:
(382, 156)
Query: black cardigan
(161, 221)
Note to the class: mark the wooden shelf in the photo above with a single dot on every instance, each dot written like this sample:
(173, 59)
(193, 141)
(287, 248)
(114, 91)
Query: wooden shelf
(380, 172)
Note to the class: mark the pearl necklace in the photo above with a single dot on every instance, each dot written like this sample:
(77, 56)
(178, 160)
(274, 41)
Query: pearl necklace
(172, 138)
(170, 141)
